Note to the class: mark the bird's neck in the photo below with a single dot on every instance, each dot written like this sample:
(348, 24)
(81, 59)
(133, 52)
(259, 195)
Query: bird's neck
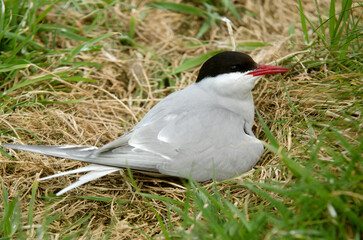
(239, 103)
(241, 106)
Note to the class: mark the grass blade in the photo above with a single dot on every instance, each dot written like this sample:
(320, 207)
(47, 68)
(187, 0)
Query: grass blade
(193, 62)
(203, 29)
(84, 47)
(9, 68)
(332, 22)
(303, 23)
(229, 5)
(2, 17)
(250, 46)
(180, 8)
(31, 205)
(32, 81)
(279, 205)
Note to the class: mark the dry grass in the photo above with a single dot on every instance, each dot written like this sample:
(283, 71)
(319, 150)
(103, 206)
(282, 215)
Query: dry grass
(127, 87)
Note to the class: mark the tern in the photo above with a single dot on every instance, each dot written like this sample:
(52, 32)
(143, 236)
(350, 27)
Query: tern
(202, 132)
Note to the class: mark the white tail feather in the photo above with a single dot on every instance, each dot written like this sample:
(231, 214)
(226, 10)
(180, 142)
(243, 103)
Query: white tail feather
(94, 171)
(86, 178)
(89, 168)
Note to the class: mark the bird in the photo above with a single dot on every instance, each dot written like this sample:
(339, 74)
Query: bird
(201, 132)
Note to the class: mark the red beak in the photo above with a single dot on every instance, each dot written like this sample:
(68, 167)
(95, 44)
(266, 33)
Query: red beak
(267, 70)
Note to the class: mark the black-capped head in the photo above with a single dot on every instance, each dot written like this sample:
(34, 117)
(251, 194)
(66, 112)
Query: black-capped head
(226, 62)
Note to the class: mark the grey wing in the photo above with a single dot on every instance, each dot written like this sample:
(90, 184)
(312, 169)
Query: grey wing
(139, 149)
(158, 143)
(209, 139)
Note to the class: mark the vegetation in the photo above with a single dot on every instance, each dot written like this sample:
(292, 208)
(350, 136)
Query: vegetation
(74, 72)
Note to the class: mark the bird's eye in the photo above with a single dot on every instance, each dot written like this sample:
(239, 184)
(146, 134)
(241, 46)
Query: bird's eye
(234, 67)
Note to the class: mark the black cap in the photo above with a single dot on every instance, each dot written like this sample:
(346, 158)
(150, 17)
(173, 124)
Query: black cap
(226, 62)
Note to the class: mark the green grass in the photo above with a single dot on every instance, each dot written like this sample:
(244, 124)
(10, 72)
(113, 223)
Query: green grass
(337, 36)
(12, 225)
(20, 23)
(210, 11)
(323, 197)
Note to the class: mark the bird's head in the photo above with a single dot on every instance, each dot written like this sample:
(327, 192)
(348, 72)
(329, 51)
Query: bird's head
(229, 73)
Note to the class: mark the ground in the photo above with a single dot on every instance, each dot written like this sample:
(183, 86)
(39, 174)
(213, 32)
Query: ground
(105, 64)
